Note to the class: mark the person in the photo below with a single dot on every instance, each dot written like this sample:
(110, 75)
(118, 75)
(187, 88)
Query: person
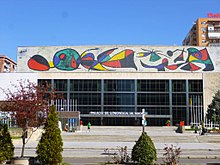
(66, 127)
(89, 126)
(81, 125)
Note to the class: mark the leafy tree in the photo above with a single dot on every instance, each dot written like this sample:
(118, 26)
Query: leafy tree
(27, 105)
(213, 112)
(6, 147)
(50, 145)
(144, 151)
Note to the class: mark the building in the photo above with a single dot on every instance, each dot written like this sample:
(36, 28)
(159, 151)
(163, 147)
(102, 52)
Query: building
(7, 64)
(111, 85)
(204, 32)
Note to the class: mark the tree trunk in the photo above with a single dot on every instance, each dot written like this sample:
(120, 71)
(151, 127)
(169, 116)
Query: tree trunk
(24, 134)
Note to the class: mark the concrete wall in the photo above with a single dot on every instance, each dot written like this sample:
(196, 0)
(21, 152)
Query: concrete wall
(124, 75)
(211, 83)
(118, 58)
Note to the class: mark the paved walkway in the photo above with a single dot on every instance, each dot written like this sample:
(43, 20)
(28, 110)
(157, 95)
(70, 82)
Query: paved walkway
(91, 144)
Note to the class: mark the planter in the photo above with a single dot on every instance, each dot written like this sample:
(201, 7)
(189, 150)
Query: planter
(19, 160)
(180, 129)
(168, 123)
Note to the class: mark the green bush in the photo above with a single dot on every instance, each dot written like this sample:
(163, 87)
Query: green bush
(50, 145)
(6, 147)
(144, 151)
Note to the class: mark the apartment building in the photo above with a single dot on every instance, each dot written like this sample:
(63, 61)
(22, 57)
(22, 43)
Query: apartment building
(204, 32)
(7, 64)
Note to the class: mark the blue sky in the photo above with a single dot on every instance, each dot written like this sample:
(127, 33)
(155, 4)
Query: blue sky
(97, 22)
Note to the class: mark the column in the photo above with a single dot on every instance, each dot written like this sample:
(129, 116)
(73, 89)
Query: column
(170, 102)
(187, 102)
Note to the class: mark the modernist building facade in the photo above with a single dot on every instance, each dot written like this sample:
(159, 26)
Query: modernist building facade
(205, 32)
(111, 85)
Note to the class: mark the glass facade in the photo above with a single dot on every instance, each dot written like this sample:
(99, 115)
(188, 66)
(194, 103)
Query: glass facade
(161, 99)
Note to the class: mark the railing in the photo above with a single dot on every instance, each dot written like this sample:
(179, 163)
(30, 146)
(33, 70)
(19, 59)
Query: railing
(213, 31)
(214, 45)
(209, 125)
(10, 122)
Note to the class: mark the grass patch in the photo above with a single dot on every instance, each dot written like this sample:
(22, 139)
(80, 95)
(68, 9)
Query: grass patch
(190, 129)
(15, 132)
(16, 137)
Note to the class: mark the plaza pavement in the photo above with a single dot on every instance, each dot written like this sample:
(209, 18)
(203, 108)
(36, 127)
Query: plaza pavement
(91, 144)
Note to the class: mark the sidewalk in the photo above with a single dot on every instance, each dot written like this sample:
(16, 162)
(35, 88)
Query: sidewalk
(92, 144)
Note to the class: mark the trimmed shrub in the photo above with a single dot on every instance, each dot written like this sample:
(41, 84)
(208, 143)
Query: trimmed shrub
(50, 146)
(144, 151)
(6, 147)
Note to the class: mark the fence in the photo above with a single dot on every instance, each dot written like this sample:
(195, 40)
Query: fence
(208, 125)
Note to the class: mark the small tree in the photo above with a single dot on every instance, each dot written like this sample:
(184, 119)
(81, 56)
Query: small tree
(26, 103)
(144, 151)
(213, 112)
(121, 156)
(6, 147)
(50, 145)
(171, 155)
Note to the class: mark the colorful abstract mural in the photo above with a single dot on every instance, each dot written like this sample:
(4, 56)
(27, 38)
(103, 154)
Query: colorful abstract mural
(194, 57)
(68, 59)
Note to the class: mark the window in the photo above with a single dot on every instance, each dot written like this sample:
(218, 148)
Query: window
(155, 110)
(118, 109)
(119, 85)
(153, 85)
(152, 99)
(88, 109)
(179, 114)
(86, 98)
(203, 29)
(60, 85)
(178, 85)
(44, 82)
(118, 99)
(204, 35)
(195, 86)
(85, 85)
(179, 99)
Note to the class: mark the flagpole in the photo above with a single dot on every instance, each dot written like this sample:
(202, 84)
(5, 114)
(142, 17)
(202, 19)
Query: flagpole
(194, 117)
(196, 110)
(202, 116)
(191, 114)
(199, 120)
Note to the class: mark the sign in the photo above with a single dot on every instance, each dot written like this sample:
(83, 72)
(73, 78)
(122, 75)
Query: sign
(117, 113)
(212, 15)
